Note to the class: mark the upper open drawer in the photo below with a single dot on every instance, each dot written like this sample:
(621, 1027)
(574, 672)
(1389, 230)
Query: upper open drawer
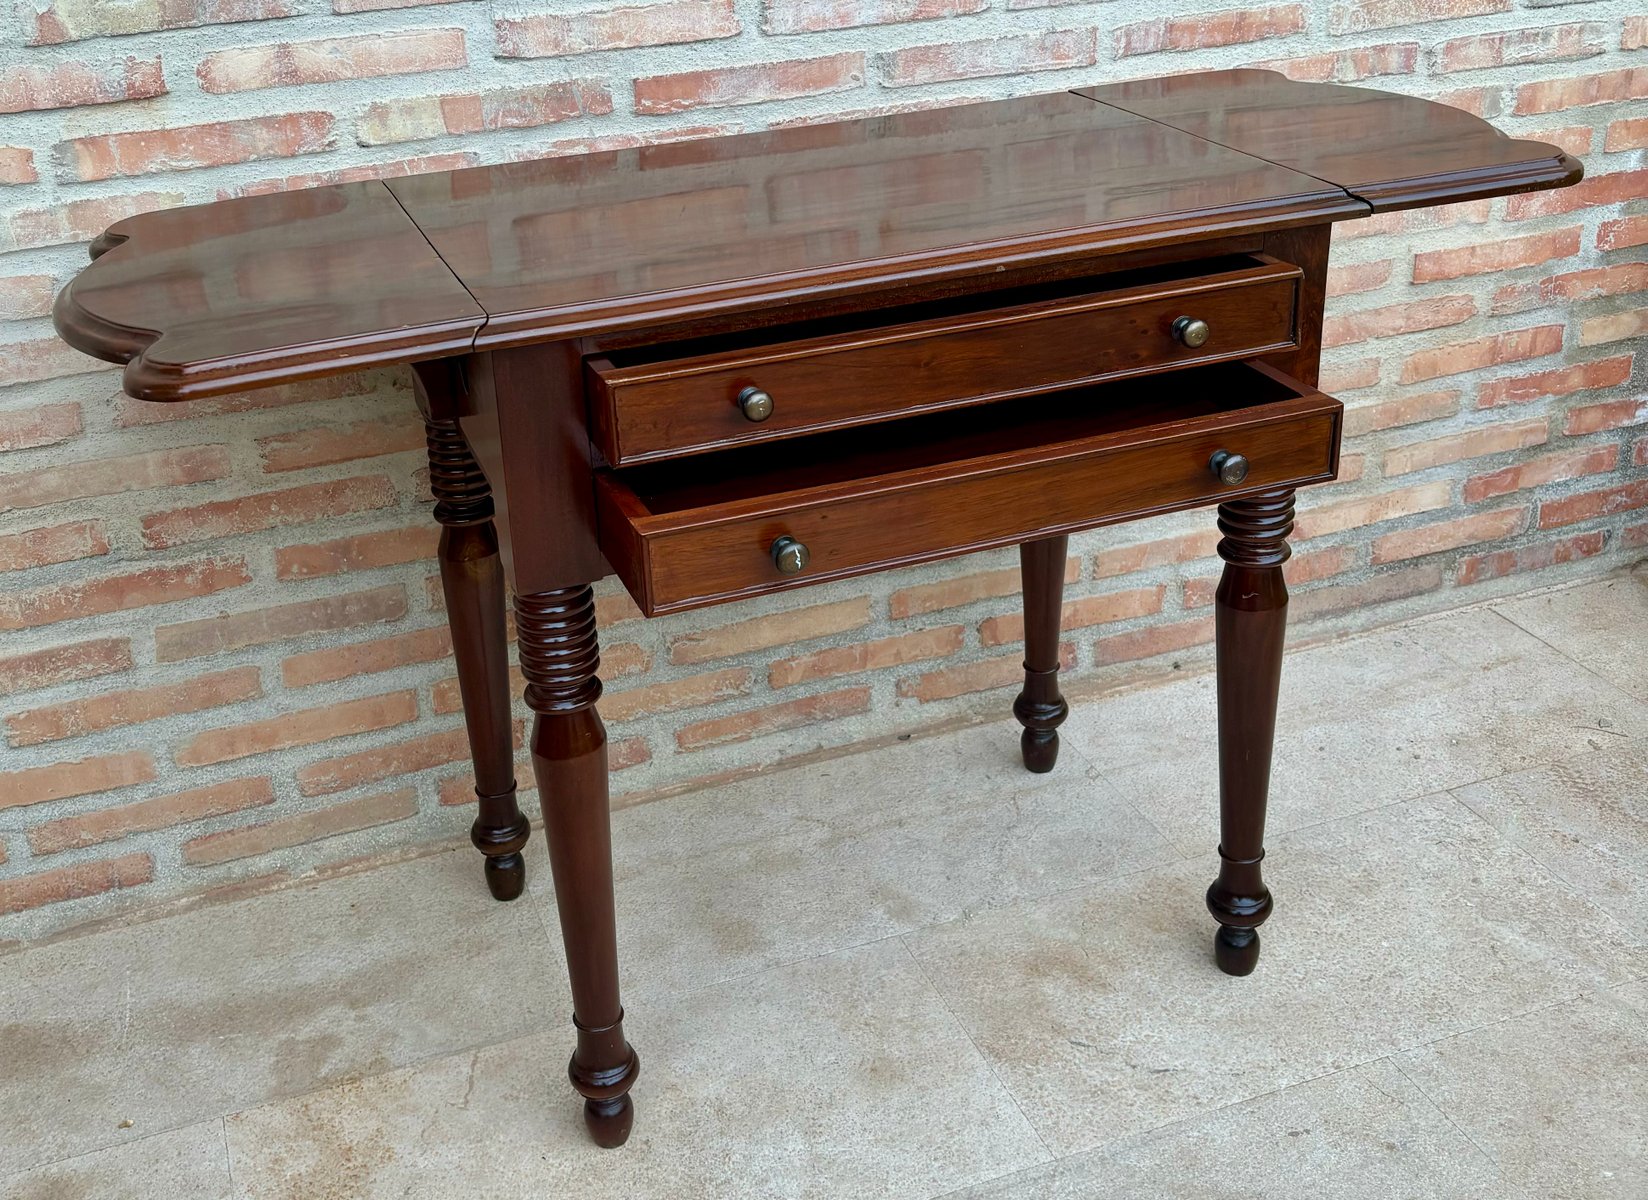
(661, 401)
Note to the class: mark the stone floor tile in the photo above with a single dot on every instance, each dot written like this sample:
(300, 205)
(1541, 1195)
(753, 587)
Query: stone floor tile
(1104, 1014)
(170, 1022)
(1363, 1134)
(1586, 820)
(1602, 624)
(840, 1076)
(1397, 713)
(191, 1163)
(1557, 1098)
(792, 864)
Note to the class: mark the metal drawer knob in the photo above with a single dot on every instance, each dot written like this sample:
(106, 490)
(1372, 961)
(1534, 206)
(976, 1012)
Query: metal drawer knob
(1230, 469)
(790, 556)
(1192, 331)
(755, 404)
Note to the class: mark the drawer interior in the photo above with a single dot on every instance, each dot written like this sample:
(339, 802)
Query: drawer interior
(1130, 410)
(910, 314)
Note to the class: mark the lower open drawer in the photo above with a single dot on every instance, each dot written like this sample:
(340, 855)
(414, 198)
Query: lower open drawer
(701, 530)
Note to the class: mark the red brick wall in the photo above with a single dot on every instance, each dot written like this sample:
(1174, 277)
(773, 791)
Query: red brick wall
(221, 653)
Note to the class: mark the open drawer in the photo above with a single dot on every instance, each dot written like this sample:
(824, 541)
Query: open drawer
(655, 402)
(700, 530)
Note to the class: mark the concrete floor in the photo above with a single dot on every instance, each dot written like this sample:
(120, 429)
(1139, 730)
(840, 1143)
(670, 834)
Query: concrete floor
(921, 972)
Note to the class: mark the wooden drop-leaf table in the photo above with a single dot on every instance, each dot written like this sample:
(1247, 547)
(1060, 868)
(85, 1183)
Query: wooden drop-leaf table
(728, 367)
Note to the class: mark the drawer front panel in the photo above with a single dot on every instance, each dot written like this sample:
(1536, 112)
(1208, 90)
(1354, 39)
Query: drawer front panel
(656, 410)
(705, 556)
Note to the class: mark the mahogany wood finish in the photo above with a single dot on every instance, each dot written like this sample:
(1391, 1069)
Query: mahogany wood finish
(1250, 619)
(647, 408)
(1039, 707)
(555, 631)
(994, 286)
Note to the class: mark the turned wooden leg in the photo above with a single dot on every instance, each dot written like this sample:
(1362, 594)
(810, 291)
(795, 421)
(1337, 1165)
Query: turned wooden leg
(1039, 707)
(472, 579)
(1250, 619)
(555, 631)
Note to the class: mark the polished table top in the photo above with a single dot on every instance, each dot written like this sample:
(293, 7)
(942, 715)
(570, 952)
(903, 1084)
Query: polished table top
(260, 290)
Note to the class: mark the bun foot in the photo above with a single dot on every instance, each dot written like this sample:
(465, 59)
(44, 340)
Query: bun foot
(1236, 950)
(506, 876)
(1040, 748)
(609, 1121)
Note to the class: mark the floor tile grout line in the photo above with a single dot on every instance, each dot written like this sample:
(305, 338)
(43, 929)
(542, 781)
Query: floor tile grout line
(1493, 1162)
(1563, 654)
(228, 1155)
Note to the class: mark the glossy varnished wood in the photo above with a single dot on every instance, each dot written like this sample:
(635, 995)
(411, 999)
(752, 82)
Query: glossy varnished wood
(242, 293)
(698, 531)
(884, 365)
(1039, 707)
(1391, 151)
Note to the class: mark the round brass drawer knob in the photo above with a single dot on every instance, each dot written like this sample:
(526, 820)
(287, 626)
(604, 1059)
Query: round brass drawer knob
(1230, 469)
(790, 556)
(1192, 331)
(755, 404)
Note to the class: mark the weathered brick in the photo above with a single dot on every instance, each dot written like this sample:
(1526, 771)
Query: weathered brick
(118, 593)
(386, 762)
(286, 832)
(1340, 376)
(1616, 187)
(1536, 472)
(946, 683)
(233, 631)
(623, 26)
(1469, 443)
(332, 60)
(692, 691)
(64, 664)
(17, 166)
(72, 718)
(1055, 51)
(1625, 135)
(61, 781)
(21, 298)
(1567, 288)
(52, 544)
(1512, 47)
(184, 147)
(774, 629)
(72, 83)
(1359, 16)
(951, 593)
(1416, 220)
(358, 552)
(74, 882)
(1478, 568)
(1204, 30)
(40, 359)
(813, 16)
(1185, 547)
(1380, 589)
(1633, 33)
(1349, 66)
(331, 663)
(417, 164)
(1321, 520)
(1410, 316)
(1351, 278)
(302, 728)
(1449, 535)
(1152, 640)
(162, 812)
(773, 718)
(78, 220)
(1080, 613)
(721, 87)
(1586, 506)
(1614, 327)
(524, 107)
(1517, 345)
(916, 646)
(107, 476)
(360, 6)
(56, 21)
(1300, 569)
(329, 444)
(1562, 381)
(1402, 410)
(1611, 414)
(1575, 139)
(1501, 254)
(267, 510)
(1606, 87)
